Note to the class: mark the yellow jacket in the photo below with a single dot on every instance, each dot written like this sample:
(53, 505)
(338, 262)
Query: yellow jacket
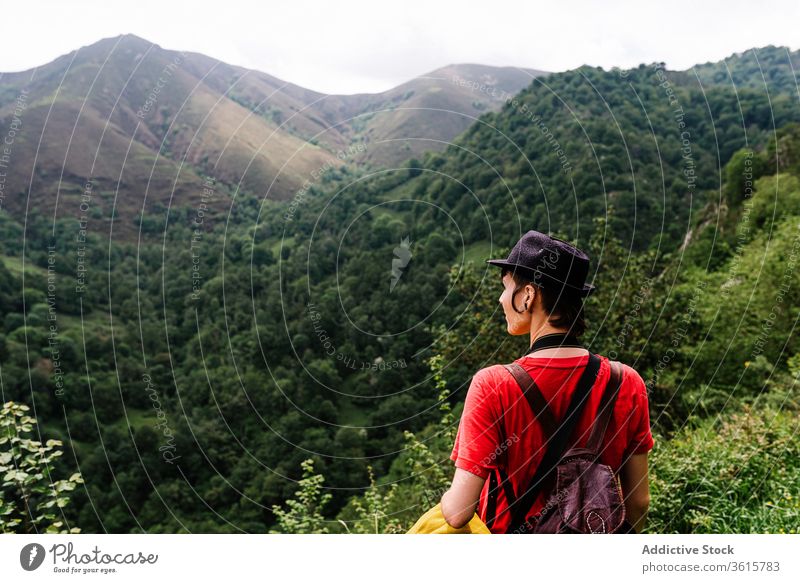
(433, 522)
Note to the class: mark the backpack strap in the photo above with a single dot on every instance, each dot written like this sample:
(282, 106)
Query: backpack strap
(606, 408)
(557, 441)
(508, 491)
(543, 414)
(536, 401)
(491, 502)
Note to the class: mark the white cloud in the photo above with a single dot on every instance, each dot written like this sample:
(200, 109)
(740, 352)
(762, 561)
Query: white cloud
(349, 47)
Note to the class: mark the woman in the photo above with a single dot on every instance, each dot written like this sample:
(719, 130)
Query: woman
(544, 285)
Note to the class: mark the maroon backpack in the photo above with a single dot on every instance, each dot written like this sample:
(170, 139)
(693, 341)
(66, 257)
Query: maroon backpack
(584, 494)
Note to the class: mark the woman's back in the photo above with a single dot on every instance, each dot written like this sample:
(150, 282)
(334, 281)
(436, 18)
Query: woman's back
(498, 430)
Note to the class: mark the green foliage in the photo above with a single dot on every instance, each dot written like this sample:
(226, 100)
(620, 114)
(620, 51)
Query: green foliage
(783, 151)
(741, 172)
(427, 459)
(29, 496)
(419, 476)
(736, 474)
(374, 510)
(746, 309)
(303, 513)
(770, 66)
(621, 309)
(775, 197)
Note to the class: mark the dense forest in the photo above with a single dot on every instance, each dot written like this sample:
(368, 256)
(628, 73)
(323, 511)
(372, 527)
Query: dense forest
(300, 366)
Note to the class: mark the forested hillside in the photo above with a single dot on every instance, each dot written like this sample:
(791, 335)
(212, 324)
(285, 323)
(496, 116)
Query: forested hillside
(192, 377)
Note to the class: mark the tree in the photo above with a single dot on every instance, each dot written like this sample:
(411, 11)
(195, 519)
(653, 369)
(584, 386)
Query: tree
(741, 172)
(29, 497)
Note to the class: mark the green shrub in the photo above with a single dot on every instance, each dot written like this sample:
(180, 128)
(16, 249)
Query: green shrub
(303, 513)
(29, 496)
(739, 473)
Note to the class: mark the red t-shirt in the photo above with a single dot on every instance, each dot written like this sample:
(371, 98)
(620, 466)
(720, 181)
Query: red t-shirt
(498, 429)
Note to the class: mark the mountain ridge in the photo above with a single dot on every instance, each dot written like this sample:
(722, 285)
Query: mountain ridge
(182, 115)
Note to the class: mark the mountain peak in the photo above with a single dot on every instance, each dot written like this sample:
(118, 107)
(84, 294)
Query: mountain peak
(127, 39)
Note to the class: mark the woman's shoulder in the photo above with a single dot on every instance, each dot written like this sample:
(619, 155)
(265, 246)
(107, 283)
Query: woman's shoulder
(491, 373)
(632, 381)
(490, 379)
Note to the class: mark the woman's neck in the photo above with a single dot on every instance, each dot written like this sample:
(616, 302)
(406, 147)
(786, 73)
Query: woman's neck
(556, 351)
(543, 330)
(559, 353)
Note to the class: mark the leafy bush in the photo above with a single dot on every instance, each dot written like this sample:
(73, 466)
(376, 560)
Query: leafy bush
(303, 514)
(373, 511)
(29, 497)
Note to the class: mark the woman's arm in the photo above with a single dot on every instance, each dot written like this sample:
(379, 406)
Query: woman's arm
(635, 490)
(459, 502)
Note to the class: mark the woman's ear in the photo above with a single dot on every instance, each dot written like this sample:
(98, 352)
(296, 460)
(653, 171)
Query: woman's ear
(530, 296)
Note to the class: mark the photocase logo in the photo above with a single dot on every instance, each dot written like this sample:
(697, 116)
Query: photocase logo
(402, 255)
(31, 556)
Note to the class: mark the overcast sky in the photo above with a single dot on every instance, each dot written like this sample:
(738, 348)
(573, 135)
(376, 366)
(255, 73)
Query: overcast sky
(351, 47)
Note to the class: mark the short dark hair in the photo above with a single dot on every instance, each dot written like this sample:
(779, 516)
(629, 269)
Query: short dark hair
(564, 308)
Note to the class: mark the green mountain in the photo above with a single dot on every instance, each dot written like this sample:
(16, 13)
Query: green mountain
(193, 374)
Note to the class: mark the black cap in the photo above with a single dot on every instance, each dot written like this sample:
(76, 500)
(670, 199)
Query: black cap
(549, 262)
